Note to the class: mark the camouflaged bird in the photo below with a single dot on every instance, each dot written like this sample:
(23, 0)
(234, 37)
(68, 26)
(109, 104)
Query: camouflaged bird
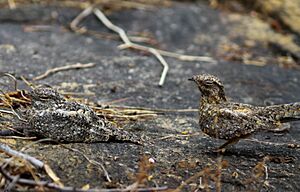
(221, 119)
(50, 115)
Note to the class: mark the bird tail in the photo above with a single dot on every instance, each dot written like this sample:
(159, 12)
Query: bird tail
(284, 112)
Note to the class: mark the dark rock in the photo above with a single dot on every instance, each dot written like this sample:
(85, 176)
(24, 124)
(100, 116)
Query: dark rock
(189, 28)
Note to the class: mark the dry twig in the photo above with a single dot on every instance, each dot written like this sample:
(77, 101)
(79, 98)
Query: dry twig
(11, 4)
(37, 163)
(93, 162)
(13, 78)
(68, 189)
(129, 44)
(80, 17)
(63, 68)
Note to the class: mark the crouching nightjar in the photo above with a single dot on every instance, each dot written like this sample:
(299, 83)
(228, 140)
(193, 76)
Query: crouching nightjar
(50, 115)
(222, 119)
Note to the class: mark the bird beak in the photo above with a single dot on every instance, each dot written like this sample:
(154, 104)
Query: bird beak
(191, 79)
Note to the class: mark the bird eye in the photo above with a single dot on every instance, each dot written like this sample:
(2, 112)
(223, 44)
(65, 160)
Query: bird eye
(209, 82)
(44, 96)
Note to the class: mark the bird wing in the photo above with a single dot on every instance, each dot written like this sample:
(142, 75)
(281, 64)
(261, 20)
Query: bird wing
(282, 113)
(228, 123)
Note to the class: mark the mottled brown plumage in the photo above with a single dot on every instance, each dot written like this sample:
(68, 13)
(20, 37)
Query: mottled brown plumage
(50, 115)
(221, 119)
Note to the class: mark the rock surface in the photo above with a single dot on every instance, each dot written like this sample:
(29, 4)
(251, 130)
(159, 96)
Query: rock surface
(194, 29)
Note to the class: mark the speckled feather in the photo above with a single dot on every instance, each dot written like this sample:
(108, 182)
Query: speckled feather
(231, 121)
(52, 116)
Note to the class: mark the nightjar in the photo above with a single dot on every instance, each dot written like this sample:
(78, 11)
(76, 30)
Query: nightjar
(52, 116)
(222, 119)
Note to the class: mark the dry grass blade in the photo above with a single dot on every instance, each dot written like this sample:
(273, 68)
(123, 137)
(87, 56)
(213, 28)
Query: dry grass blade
(10, 99)
(13, 112)
(192, 178)
(123, 115)
(153, 109)
(119, 114)
(52, 175)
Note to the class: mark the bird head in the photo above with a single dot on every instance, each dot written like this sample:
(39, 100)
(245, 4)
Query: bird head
(45, 93)
(210, 86)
